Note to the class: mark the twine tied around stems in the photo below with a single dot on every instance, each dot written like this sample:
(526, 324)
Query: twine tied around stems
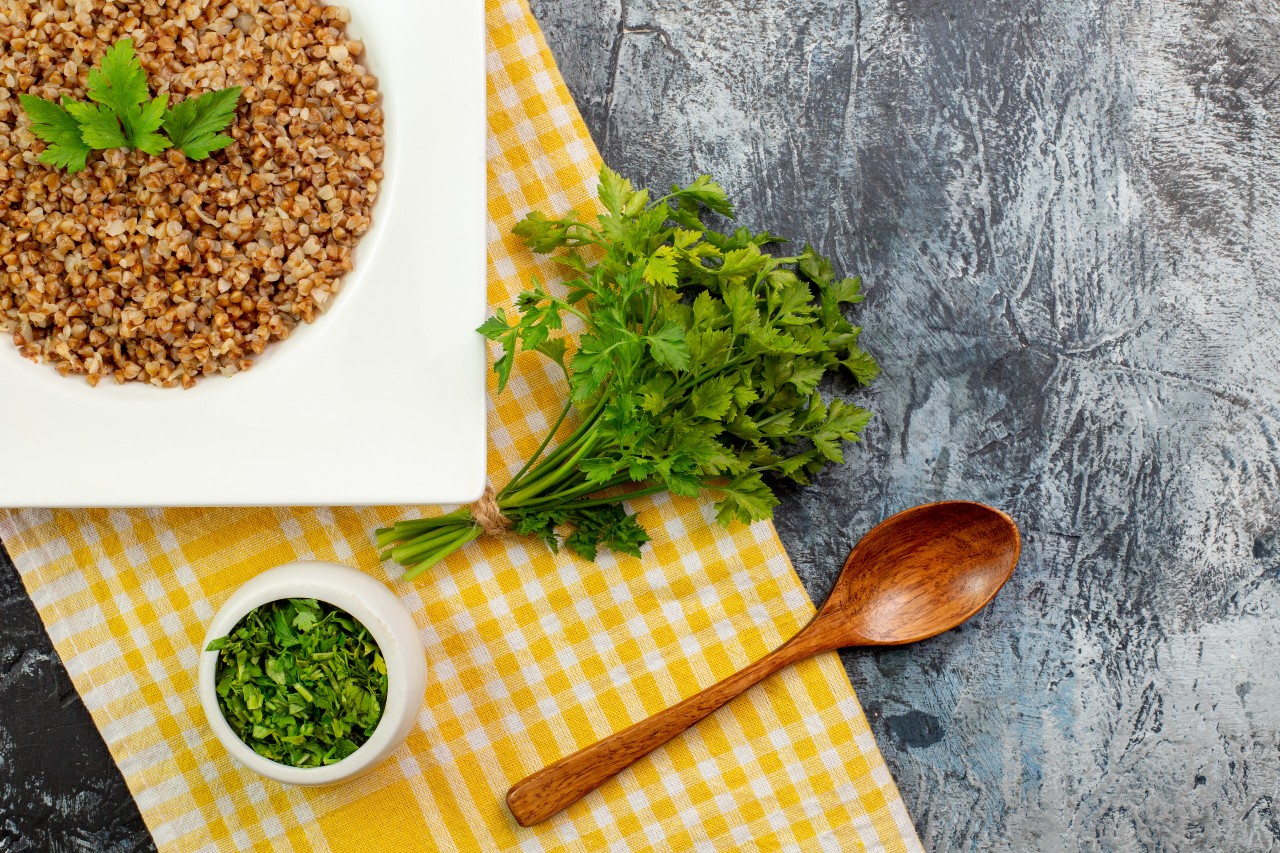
(489, 516)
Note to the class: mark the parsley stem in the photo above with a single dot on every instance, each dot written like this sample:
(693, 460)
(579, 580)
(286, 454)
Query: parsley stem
(551, 433)
(574, 492)
(462, 539)
(423, 544)
(599, 237)
(565, 306)
(566, 448)
(460, 514)
(553, 473)
(403, 530)
(636, 493)
(567, 469)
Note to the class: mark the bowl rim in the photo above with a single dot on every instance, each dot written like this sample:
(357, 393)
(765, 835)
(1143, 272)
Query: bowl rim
(370, 603)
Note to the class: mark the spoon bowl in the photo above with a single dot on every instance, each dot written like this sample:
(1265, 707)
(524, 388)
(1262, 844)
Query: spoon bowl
(915, 575)
(920, 573)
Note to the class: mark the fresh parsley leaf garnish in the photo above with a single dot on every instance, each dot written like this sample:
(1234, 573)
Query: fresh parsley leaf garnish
(99, 125)
(51, 122)
(120, 83)
(697, 368)
(300, 682)
(143, 122)
(193, 124)
(126, 116)
(122, 114)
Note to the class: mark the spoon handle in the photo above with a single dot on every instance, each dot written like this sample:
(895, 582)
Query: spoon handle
(563, 783)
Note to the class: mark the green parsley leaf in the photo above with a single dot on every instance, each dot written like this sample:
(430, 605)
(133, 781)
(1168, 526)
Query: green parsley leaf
(544, 234)
(195, 124)
(669, 347)
(145, 121)
(305, 620)
(847, 290)
(615, 191)
(806, 375)
(713, 398)
(707, 193)
(119, 84)
(99, 125)
(661, 268)
(52, 123)
(496, 328)
(862, 366)
(746, 499)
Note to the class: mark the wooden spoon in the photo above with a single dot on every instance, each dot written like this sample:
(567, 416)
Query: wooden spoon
(915, 575)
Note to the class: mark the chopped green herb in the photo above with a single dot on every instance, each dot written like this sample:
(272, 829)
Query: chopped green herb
(696, 368)
(300, 682)
(124, 115)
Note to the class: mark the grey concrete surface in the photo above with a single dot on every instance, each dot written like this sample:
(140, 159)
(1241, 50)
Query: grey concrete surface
(1066, 217)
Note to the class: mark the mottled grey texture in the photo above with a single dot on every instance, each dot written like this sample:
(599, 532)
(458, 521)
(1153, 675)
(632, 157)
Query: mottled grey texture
(1066, 215)
(59, 790)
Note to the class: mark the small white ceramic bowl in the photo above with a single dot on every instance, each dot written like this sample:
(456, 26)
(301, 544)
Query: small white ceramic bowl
(374, 606)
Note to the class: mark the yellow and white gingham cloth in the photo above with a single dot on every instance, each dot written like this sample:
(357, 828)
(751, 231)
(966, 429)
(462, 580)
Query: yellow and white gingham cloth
(531, 655)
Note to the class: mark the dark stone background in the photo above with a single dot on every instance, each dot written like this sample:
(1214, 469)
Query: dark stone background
(59, 789)
(1066, 216)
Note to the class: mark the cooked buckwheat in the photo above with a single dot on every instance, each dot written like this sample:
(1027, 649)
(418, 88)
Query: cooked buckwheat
(161, 269)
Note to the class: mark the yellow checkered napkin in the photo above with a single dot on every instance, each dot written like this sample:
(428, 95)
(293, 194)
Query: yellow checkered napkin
(531, 655)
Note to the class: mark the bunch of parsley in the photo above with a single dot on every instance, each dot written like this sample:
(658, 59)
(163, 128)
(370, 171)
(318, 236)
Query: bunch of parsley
(122, 114)
(300, 682)
(696, 368)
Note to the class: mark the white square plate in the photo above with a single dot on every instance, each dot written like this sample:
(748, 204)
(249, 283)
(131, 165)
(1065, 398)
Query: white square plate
(381, 401)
